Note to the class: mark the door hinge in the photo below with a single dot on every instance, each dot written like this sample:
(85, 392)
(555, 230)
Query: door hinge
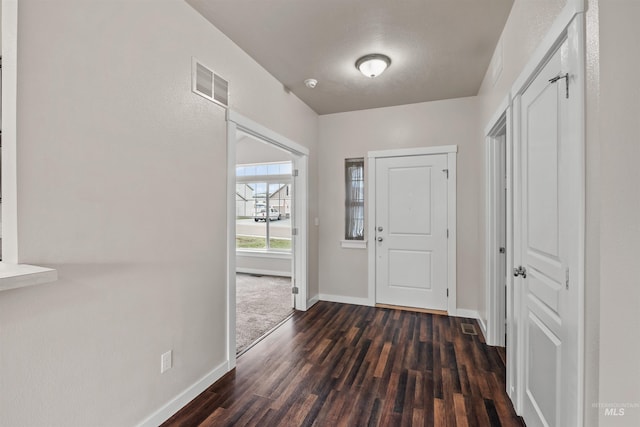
(447, 233)
(294, 231)
(447, 292)
(567, 278)
(566, 81)
(294, 172)
(295, 290)
(446, 171)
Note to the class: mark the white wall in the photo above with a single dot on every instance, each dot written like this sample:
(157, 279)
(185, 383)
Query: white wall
(592, 237)
(249, 150)
(619, 118)
(527, 24)
(353, 134)
(121, 170)
(280, 266)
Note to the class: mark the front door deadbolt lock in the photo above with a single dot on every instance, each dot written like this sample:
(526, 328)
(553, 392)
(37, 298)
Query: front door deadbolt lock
(379, 228)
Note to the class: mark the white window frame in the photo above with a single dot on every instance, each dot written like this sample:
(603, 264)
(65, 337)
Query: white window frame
(356, 243)
(268, 179)
(13, 274)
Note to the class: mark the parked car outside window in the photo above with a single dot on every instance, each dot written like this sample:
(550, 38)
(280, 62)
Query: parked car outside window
(261, 215)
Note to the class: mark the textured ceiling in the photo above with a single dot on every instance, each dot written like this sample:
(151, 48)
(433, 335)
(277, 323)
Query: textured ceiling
(440, 49)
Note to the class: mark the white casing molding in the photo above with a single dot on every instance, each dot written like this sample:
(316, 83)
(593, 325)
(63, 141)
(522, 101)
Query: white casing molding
(494, 302)
(13, 275)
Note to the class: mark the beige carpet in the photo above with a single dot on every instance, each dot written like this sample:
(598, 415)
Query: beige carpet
(261, 303)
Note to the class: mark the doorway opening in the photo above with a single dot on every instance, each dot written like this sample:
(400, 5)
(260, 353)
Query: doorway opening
(266, 232)
(264, 257)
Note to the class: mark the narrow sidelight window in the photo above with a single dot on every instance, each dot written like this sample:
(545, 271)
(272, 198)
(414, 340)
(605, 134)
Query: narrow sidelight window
(354, 199)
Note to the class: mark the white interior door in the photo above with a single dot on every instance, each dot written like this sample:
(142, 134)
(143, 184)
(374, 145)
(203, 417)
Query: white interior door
(411, 231)
(547, 245)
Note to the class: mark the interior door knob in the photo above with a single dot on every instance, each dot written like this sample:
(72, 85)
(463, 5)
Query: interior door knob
(520, 271)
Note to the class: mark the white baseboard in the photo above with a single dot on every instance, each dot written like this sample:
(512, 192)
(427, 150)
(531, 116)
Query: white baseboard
(312, 301)
(483, 326)
(463, 312)
(263, 272)
(346, 300)
(178, 402)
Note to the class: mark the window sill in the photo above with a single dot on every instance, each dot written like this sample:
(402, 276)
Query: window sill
(353, 244)
(14, 276)
(263, 254)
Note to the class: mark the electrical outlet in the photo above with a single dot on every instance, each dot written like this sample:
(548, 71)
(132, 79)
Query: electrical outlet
(166, 361)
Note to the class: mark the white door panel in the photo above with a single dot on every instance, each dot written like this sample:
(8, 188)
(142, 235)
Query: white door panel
(418, 273)
(545, 242)
(411, 224)
(543, 357)
(409, 195)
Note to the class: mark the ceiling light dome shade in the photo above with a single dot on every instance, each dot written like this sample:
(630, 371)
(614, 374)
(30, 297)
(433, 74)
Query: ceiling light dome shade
(373, 65)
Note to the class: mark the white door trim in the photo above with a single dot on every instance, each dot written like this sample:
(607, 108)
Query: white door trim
(495, 302)
(235, 123)
(420, 151)
(568, 25)
(252, 128)
(494, 307)
(450, 151)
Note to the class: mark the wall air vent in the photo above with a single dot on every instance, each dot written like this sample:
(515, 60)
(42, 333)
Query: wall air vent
(208, 84)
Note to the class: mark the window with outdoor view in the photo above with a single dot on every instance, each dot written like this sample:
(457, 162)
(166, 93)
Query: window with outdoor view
(354, 199)
(263, 207)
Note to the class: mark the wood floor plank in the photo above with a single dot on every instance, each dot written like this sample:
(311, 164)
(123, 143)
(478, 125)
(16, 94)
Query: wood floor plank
(460, 410)
(345, 365)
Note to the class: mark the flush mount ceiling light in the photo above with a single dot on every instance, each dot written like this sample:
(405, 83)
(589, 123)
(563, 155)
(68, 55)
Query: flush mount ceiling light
(310, 83)
(373, 65)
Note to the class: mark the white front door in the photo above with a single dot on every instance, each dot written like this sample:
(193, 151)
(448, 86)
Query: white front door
(411, 231)
(547, 245)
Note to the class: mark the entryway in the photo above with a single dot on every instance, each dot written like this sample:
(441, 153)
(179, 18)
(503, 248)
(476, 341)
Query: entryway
(267, 231)
(412, 226)
(264, 241)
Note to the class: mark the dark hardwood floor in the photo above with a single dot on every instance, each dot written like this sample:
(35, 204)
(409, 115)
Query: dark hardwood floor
(347, 365)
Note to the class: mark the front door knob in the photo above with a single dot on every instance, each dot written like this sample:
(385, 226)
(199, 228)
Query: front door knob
(520, 271)
(380, 239)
